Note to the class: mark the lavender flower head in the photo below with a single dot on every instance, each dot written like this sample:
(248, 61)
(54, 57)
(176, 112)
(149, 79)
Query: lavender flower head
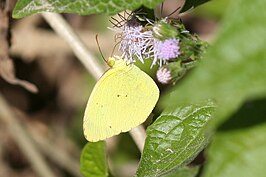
(135, 42)
(165, 50)
(140, 43)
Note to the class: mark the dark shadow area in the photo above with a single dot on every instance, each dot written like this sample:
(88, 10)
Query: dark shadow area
(250, 114)
(47, 91)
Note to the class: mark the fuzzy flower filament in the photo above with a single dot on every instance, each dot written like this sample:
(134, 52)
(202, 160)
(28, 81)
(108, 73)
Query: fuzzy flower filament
(135, 42)
(140, 43)
(165, 50)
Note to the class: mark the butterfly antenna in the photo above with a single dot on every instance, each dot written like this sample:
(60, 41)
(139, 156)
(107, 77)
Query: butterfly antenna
(100, 48)
(115, 47)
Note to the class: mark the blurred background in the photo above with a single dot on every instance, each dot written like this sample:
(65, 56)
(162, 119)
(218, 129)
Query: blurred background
(53, 116)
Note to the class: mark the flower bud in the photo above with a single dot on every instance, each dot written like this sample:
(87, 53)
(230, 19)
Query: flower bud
(163, 30)
(163, 75)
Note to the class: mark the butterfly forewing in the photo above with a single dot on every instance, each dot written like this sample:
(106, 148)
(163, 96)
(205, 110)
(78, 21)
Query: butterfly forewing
(122, 99)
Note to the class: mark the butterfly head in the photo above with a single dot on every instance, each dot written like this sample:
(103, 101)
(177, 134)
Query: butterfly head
(115, 61)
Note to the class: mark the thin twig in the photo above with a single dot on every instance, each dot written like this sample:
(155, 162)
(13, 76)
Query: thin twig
(51, 150)
(139, 135)
(3, 165)
(65, 31)
(59, 156)
(23, 140)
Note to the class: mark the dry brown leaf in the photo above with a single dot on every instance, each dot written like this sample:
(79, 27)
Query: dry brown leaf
(7, 71)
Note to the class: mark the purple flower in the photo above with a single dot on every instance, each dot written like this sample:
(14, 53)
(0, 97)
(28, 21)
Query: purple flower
(165, 50)
(138, 43)
(135, 43)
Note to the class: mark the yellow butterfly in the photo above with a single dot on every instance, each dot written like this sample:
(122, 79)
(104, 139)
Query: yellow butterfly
(122, 99)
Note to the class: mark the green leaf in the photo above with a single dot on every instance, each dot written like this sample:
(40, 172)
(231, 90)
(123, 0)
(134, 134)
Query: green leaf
(84, 7)
(234, 68)
(192, 4)
(239, 148)
(174, 139)
(93, 160)
(212, 9)
(184, 172)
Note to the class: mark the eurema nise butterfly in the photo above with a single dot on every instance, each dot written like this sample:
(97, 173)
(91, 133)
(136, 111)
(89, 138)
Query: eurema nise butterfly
(122, 99)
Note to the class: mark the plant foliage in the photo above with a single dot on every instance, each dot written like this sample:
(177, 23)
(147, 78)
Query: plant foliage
(93, 161)
(232, 72)
(175, 138)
